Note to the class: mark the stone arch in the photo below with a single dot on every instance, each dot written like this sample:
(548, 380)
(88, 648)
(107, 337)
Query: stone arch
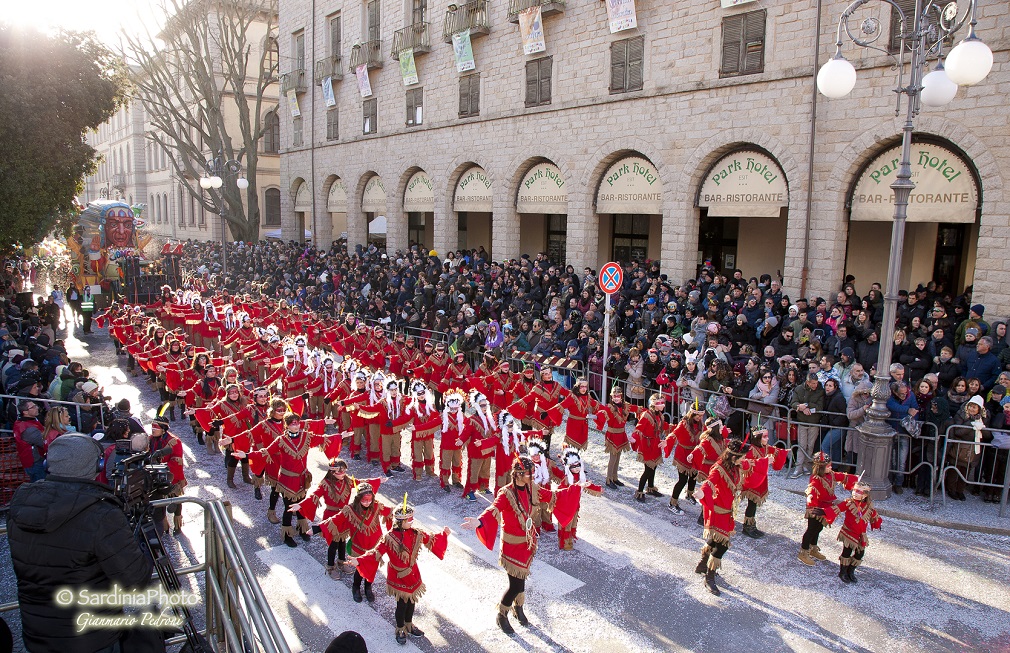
(520, 165)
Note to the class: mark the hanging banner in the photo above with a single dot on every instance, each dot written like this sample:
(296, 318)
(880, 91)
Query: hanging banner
(328, 97)
(463, 51)
(408, 70)
(621, 14)
(531, 28)
(944, 187)
(293, 103)
(364, 86)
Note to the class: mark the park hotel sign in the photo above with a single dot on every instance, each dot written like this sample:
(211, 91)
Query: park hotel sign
(744, 184)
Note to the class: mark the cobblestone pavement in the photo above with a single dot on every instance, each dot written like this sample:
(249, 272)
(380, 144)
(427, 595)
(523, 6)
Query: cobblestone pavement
(629, 585)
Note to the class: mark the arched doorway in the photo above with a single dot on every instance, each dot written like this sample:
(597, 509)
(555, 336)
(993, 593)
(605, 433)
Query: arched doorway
(336, 206)
(941, 230)
(629, 203)
(472, 202)
(373, 207)
(744, 209)
(419, 206)
(303, 211)
(542, 205)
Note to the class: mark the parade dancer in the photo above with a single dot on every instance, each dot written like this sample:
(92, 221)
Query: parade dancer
(544, 469)
(574, 476)
(390, 417)
(686, 436)
(615, 417)
(708, 450)
(541, 407)
(755, 487)
(360, 522)
(290, 453)
(401, 545)
(455, 431)
(859, 516)
(718, 495)
(266, 430)
(514, 507)
(580, 406)
(232, 415)
(480, 447)
(511, 438)
(652, 428)
(821, 508)
(425, 422)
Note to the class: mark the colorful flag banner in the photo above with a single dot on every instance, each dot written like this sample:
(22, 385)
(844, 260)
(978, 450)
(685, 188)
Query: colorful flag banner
(364, 86)
(408, 69)
(463, 50)
(531, 28)
(621, 14)
(293, 103)
(328, 96)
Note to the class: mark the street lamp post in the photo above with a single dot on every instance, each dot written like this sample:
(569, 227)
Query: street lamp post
(921, 36)
(217, 170)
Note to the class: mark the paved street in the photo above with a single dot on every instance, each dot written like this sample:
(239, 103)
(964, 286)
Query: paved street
(629, 585)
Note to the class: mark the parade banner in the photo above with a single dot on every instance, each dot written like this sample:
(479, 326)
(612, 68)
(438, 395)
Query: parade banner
(328, 97)
(621, 14)
(408, 70)
(531, 28)
(293, 103)
(364, 86)
(463, 51)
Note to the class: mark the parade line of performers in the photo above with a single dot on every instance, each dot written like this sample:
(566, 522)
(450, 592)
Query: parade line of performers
(262, 383)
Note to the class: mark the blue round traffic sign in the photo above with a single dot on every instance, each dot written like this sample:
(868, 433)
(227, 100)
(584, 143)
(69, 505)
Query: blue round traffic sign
(611, 278)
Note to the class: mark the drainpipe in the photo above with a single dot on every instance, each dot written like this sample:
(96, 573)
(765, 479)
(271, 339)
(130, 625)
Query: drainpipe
(810, 155)
(310, 73)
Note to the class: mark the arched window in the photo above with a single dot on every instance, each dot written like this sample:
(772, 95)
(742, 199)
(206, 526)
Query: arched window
(272, 207)
(272, 133)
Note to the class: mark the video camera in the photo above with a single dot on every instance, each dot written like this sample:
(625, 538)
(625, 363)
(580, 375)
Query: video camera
(137, 477)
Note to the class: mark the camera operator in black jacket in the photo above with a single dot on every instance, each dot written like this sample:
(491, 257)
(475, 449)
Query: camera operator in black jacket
(70, 532)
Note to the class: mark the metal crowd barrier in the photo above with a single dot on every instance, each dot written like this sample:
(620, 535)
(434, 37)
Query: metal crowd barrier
(982, 469)
(238, 618)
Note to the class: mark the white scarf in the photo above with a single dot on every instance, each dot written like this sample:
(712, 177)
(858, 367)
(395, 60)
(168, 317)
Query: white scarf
(511, 440)
(445, 420)
(541, 475)
(392, 406)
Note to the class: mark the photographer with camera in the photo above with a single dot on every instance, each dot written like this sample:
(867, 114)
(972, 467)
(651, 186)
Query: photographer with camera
(69, 531)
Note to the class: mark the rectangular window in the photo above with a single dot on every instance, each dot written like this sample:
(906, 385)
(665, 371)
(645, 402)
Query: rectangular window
(335, 35)
(369, 115)
(298, 50)
(415, 102)
(419, 11)
(626, 63)
(332, 124)
(372, 15)
(557, 238)
(296, 131)
(469, 95)
(631, 238)
(415, 228)
(192, 211)
(743, 44)
(908, 7)
(538, 82)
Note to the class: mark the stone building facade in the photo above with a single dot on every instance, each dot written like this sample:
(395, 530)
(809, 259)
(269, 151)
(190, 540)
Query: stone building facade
(696, 135)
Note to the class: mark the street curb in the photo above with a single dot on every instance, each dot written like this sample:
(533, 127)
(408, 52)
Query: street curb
(929, 521)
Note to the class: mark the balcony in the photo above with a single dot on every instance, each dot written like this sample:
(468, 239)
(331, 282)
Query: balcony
(329, 67)
(472, 15)
(416, 36)
(294, 81)
(368, 54)
(119, 181)
(547, 8)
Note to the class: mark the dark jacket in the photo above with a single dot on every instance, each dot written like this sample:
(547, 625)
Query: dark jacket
(835, 404)
(67, 532)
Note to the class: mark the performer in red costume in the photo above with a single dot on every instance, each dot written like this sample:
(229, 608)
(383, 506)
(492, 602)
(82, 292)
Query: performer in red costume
(425, 422)
(718, 495)
(615, 417)
(401, 545)
(859, 516)
(511, 439)
(391, 417)
(233, 416)
(162, 439)
(265, 431)
(821, 508)
(544, 469)
(542, 406)
(652, 428)
(755, 487)
(480, 446)
(455, 431)
(686, 436)
(574, 476)
(514, 507)
(580, 406)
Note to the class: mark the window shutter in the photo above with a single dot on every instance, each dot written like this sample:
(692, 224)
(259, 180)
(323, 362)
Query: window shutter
(732, 36)
(373, 20)
(464, 96)
(532, 83)
(636, 63)
(618, 66)
(474, 85)
(335, 36)
(754, 42)
(545, 80)
(907, 6)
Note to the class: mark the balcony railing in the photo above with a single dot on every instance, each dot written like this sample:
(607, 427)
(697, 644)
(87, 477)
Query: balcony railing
(472, 15)
(293, 81)
(368, 53)
(416, 36)
(547, 8)
(329, 67)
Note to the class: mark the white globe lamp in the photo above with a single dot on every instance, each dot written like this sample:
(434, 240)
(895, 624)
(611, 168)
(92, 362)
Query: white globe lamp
(969, 62)
(836, 78)
(937, 89)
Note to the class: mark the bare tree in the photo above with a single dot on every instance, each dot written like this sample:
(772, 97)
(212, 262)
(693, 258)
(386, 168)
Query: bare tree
(203, 82)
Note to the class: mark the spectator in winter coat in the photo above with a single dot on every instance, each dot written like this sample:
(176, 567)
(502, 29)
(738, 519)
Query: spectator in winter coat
(807, 402)
(901, 403)
(867, 351)
(981, 364)
(835, 419)
(29, 437)
(917, 361)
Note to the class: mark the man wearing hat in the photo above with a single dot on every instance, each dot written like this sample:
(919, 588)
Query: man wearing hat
(975, 315)
(70, 530)
(163, 440)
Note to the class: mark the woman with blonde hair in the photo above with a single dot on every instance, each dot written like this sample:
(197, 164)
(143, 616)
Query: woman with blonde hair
(57, 423)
